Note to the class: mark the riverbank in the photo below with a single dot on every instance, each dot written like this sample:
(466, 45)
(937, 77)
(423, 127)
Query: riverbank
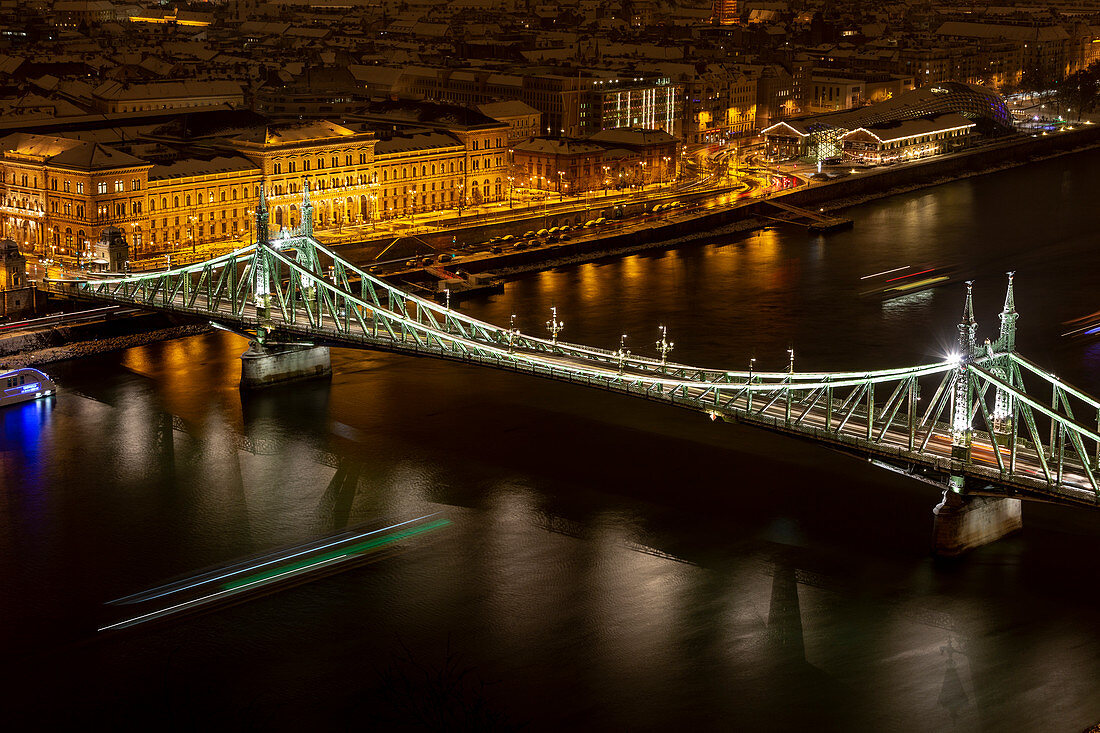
(89, 347)
(682, 227)
(850, 201)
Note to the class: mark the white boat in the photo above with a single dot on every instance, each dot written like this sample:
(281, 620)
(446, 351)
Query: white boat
(23, 385)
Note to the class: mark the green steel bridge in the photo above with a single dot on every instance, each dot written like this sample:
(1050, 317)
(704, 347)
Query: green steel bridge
(985, 421)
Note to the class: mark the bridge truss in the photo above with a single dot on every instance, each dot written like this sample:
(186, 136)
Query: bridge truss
(974, 422)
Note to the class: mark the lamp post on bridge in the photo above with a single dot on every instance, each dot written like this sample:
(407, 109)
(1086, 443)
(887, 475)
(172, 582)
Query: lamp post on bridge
(512, 332)
(554, 326)
(790, 380)
(748, 397)
(664, 346)
(623, 352)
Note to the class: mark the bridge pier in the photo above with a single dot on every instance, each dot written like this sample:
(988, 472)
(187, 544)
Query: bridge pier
(963, 523)
(267, 365)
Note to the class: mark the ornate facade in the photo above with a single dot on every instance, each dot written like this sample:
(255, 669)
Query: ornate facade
(58, 194)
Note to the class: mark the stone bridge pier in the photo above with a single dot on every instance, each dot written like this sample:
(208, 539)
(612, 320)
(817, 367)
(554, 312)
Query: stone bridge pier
(963, 523)
(266, 365)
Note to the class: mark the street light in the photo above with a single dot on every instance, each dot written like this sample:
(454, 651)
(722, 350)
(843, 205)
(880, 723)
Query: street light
(664, 346)
(561, 176)
(752, 363)
(622, 352)
(554, 326)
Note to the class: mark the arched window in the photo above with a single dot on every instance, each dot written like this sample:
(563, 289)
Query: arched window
(188, 199)
(433, 169)
(176, 201)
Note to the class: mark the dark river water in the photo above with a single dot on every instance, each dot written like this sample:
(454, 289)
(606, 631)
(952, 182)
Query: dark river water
(608, 563)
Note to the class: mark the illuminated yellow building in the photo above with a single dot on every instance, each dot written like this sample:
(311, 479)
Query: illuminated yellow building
(59, 194)
(725, 12)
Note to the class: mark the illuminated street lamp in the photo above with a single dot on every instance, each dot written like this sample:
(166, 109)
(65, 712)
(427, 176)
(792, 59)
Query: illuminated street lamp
(752, 363)
(561, 176)
(623, 352)
(512, 332)
(664, 346)
(554, 326)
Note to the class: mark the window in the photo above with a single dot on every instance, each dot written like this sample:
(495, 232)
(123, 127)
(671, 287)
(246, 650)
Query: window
(79, 187)
(135, 185)
(278, 168)
(289, 167)
(119, 187)
(66, 186)
(188, 199)
(176, 201)
(305, 165)
(102, 187)
(152, 204)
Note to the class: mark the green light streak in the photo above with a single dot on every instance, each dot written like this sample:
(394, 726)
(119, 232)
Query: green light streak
(356, 549)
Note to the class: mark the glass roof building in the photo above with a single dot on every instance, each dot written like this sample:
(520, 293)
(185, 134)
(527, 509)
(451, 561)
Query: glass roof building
(818, 137)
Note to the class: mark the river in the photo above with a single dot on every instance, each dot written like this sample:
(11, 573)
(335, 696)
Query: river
(608, 562)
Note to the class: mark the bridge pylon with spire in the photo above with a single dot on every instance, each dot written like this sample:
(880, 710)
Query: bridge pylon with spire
(996, 429)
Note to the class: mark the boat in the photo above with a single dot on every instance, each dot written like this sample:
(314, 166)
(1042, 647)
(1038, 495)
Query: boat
(23, 385)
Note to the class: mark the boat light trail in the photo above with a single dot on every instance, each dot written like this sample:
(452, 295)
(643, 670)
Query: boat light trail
(314, 558)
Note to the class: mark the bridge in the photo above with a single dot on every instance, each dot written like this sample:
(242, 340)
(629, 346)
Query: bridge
(985, 424)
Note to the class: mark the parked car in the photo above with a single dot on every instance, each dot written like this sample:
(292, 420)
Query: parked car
(446, 257)
(508, 238)
(495, 249)
(528, 234)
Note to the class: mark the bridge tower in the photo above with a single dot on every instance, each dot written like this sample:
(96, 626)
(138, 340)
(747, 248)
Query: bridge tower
(262, 275)
(960, 418)
(267, 362)
(962, 522)
(306, 229)
(1003, 407)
